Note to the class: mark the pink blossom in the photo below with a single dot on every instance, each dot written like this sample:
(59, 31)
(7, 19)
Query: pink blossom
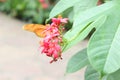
(51, 44)
(65, 20)
(56, 21)
(42, 1)
(44, 4)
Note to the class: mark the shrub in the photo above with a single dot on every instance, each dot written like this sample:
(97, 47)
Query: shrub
(102, 55)
(28, 10)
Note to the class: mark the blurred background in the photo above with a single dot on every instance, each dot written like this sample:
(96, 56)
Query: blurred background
(20, 58)
(35, 11)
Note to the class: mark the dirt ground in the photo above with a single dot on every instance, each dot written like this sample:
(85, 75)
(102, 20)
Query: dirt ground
(20, 58)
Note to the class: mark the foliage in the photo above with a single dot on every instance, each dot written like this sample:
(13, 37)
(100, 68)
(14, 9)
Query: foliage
(28, 10)
(103, 53)
(79, 61)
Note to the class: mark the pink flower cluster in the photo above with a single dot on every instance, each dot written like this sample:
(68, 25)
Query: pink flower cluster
(44, 4)
(51, 44)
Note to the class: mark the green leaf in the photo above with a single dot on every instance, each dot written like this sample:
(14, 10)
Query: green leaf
(80, 5)
(104, 46)
(114, 76)
(78, 61)
(117, 1)
(74, 37)
(65, 5)
(84, 5)
(80, 27)
(71, 16)
(91, 74)
(92, 14)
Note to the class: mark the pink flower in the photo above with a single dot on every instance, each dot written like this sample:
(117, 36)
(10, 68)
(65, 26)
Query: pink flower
(65, 20)
(42, 1)
(51, 44)
(44, 4)
(56, 21)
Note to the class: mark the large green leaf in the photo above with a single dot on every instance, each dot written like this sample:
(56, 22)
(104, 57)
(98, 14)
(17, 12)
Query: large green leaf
(114, 76)
(61, 6)
(75, 38)
(67, 4)
(84, 5)
(92, 14)
(104, 46)
(91, 74)
(80, 27)
(117, 1)
(78, 61)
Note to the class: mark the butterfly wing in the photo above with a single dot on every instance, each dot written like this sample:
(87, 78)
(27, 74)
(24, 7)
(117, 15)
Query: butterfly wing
(38, 29)
(40, 32)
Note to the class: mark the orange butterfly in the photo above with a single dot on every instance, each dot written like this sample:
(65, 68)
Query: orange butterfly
(38, 29)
